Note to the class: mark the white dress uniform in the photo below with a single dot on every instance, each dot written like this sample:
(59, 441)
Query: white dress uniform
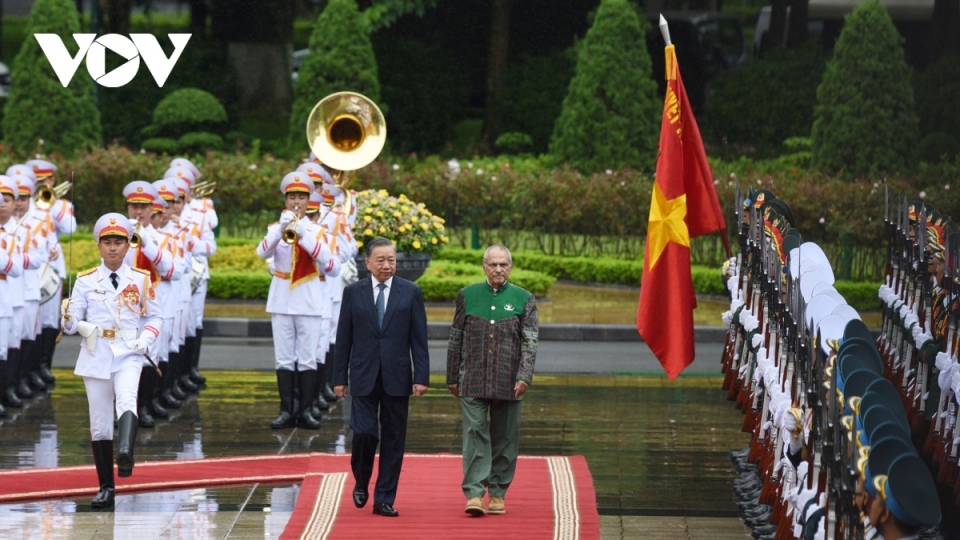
(296, 302)
(106, 308)
(32, 259)
(201, 244)
(11, 266)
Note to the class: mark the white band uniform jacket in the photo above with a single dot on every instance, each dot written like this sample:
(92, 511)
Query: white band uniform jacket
(100, 306)
(307, 298)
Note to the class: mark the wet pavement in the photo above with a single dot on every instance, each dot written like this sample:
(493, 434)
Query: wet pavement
(658, 452)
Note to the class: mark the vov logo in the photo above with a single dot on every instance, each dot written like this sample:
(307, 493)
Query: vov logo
(134, 48)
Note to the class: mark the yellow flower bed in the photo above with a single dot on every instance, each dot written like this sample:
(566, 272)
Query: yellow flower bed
(409, 224)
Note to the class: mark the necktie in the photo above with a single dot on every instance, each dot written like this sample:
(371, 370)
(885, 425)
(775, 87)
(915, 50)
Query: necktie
(114, 279)
(380, 303)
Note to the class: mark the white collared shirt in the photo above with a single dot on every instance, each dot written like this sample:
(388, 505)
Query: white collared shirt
(386, 291)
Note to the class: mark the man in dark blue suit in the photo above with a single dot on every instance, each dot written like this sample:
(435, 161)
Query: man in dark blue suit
(382, 325)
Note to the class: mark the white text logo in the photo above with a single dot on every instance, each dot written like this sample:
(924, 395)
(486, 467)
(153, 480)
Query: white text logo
(94, 48)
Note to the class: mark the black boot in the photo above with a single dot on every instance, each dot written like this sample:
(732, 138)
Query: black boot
(167, 399)
(127, 440)
(103, 458)
(308, 387)
(328, 393)
(321, 404)
(48, 345)
(183, 368)
(23, 370)
(11, 369)
(286, 419)
(144, 418)
(194, 372)
(32, 377)
(157, 410)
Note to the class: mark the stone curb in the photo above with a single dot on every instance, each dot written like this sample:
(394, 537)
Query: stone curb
(260, 328)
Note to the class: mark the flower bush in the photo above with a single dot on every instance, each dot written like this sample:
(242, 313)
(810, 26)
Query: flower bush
(407, 223)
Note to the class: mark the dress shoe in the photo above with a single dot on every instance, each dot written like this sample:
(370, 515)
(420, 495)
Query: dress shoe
(474, 507)
(187, 385)
(283, 421)
(307, 421)
(170, 402)
(177, 392)
(104, 498)
(359, 497)
(385, 509)
(763, 531)
(496, 506)
(144, 418)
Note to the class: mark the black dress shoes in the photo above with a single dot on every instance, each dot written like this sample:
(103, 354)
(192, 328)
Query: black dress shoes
(385, 509)
(360, 497)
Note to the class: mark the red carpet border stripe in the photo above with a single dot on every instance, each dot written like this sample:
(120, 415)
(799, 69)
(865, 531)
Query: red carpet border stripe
(566, 516)
(327, 507)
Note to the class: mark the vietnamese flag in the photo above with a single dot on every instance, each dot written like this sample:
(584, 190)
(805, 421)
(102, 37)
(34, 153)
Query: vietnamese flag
(684, 205)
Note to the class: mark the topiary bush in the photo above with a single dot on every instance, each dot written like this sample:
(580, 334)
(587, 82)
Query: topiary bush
(199, 142)
(514, 143)
(766, 101)
(39, 107)
(533, 92)
(189, 110)
(611, 115)
(341, 59)
(865, 120)
(161, 145)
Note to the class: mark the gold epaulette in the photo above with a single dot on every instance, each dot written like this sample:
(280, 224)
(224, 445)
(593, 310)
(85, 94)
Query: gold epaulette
(87, 272)
(141, 270)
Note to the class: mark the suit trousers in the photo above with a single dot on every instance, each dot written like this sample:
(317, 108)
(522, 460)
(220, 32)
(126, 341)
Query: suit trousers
(122, 384)
(390, 431)
(490, 448)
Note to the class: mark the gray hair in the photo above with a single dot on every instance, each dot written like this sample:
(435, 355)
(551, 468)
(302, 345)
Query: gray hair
(497, 246)
(379, 242)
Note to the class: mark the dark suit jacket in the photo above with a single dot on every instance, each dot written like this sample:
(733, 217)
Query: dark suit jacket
(367, 349)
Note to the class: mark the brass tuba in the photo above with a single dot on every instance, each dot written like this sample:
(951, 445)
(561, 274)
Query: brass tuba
(46, 195)
(203, 189)
(346, 131)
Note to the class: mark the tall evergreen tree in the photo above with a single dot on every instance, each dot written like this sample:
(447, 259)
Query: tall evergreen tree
(39, 107)
(865, 120)
(341, 59)
(611, 115)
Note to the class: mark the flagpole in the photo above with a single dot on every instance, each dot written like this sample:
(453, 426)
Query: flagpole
(665, 30)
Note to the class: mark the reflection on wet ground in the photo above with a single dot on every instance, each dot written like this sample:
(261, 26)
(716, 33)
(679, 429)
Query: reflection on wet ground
(658, 453)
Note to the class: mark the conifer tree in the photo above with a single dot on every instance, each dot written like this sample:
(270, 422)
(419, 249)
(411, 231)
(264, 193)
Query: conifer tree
(39, 107)
(341, 59)
(864, 120)
(611, 115)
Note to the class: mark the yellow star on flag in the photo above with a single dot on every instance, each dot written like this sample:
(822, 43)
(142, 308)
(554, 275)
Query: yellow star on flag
(666, 223)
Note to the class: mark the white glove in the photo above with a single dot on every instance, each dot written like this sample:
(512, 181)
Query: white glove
(727, 317)
(789, 423)
(946, 377)
(302, 228)
(286, 217)
(920, 338)
(944, 361)
(910, 320)
(757, 341)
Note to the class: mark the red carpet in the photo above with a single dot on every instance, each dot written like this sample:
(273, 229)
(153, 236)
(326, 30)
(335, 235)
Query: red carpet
(551, 497)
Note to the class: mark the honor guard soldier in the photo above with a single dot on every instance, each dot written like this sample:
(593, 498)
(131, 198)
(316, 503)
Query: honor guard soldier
(183, 356)
(106, 308)
(198, 219)
(38, 237)
(296, 299)
(338, 227)
(11, 266)
(58, 214)
(25, 311)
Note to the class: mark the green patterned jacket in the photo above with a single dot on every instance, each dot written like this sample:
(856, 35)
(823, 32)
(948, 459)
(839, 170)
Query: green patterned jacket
(493, 341)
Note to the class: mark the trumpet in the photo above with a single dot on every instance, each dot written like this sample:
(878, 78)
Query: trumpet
(203, 189)
(135, 239)
(290, 235)
(46, 195)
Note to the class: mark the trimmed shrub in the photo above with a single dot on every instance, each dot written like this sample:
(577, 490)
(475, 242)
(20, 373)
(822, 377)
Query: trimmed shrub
(189, 110)
(611, 116)
(864, 120)
(514, 143)
(767, 100)
(199, 142)
(242, 285)
(39, 107)
(161, 145)
(861, 295)
(444, 279)
(341, 59)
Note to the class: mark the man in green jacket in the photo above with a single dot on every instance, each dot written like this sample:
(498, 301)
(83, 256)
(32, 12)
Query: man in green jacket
(490, 359)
